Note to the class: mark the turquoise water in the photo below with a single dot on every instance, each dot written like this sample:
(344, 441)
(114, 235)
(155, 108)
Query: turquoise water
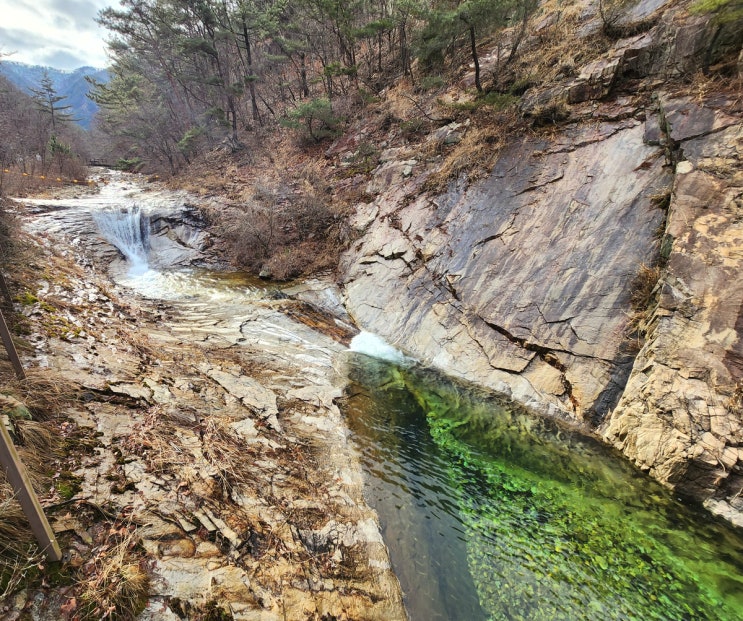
(492, 512)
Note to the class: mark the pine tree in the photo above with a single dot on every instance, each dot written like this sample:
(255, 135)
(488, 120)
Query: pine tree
(47, 101)
(453, 22)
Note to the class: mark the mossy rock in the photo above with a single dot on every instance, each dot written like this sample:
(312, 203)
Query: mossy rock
(10, 406)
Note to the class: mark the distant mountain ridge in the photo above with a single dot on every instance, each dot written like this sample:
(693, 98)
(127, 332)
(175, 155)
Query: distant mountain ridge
(69, 84)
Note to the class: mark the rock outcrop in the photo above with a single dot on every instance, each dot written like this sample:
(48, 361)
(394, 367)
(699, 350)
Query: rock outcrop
(680, 416)
(521, 282)
(530, 281)
(212, 433)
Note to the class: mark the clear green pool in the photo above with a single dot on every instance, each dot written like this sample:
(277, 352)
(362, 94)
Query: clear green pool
(492, 512)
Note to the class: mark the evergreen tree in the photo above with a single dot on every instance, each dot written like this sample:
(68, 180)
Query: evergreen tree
(48, 102)
(449, 24)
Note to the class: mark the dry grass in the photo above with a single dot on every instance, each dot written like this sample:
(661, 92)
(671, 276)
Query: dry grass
(228, 453)
(474, 155)
(15, 533)
(734, 402)
(19, 554)
(643, 285)
(113, 584)
(44, 393)
(9, 231)
(555, 51)
(156, 442)
(701, 87)
(662, 199)
(642, 293)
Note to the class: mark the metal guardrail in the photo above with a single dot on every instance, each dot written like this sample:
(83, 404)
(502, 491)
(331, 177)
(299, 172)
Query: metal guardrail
(10, 348)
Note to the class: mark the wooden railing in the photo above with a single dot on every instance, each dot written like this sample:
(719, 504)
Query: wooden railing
(11, 462)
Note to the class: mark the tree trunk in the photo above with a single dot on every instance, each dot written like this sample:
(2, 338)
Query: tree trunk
(303, 75)
(520, 36)
(404, 51)
(251, 86)
(379, 51)
(475, 59)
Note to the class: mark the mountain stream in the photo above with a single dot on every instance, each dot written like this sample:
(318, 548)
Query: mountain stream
(489, 511)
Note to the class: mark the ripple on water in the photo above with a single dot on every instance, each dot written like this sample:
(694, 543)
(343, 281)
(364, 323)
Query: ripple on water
(492, 513)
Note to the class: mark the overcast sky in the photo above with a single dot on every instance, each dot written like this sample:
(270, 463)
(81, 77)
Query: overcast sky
(56, 33)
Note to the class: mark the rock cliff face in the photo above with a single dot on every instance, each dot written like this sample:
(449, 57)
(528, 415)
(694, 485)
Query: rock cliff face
(522, 281)
(680, 414)
(527, 281)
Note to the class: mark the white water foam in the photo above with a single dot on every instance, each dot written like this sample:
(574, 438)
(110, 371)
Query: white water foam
(376, 347)
(128, 230)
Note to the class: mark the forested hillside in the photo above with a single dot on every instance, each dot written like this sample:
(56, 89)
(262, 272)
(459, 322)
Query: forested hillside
(39, 139)
(187, 75)
(72, 85)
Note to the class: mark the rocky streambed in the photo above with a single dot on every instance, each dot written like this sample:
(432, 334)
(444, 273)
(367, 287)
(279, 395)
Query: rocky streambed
(206, 436)
(210, 423)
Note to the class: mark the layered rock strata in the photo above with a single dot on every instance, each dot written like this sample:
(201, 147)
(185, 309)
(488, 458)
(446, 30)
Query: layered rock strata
(593, 274)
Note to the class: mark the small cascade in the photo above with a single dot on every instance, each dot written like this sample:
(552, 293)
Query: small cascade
(374, 346)
(128, 229)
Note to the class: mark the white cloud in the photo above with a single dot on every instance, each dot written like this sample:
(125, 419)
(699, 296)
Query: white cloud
(58, 33)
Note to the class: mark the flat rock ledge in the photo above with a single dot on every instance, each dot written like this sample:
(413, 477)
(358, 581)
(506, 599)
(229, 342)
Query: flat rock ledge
(213, 436)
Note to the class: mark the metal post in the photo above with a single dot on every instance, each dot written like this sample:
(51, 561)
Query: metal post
(10, 348)
(30, 504)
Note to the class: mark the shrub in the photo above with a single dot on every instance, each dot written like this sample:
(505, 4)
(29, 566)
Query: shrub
(286, 237)
(316, 118)
(133, 164)
(431, 82)
(724, 11)
(187, 144)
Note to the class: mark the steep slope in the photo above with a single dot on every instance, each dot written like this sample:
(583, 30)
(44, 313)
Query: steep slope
(680, 415)
(536, 279)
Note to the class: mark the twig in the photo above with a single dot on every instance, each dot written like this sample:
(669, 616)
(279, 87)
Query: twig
(445, 120)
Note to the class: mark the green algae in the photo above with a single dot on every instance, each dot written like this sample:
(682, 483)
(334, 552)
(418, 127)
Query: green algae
(555, 525)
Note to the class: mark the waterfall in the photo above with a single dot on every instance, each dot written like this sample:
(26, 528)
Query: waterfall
(127, 229)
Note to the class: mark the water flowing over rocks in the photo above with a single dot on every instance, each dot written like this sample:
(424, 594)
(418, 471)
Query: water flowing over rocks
(214, 433)
(176, 232)
(526, 281)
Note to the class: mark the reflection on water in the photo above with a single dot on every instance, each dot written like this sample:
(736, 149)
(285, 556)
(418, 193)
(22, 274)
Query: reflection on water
(493, 513)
